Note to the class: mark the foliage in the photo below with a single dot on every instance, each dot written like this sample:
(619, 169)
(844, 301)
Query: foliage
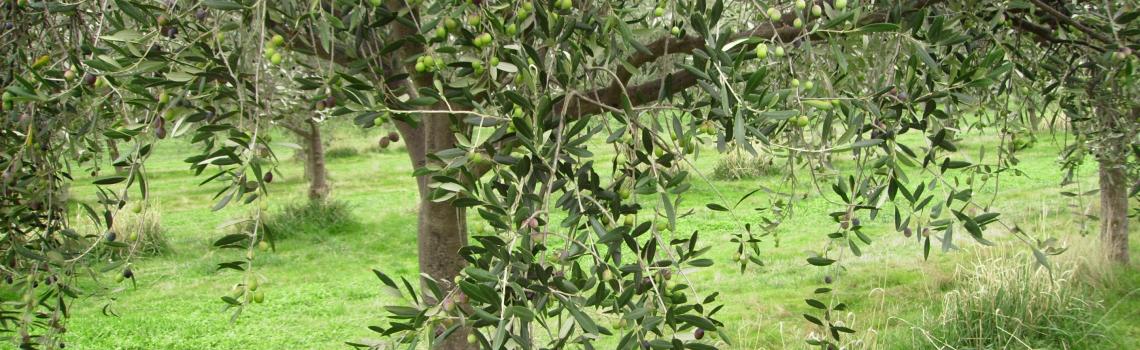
(499, 108)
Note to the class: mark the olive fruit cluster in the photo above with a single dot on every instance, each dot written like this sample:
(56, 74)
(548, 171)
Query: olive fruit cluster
(567, 4)
(388, 139)
(482, 40)
(525, 9)
(271, 47)
(428, 63)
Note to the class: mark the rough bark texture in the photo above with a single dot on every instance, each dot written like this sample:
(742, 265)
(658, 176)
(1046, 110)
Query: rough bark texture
(315, 168)
(442, 227)
(1114, 211)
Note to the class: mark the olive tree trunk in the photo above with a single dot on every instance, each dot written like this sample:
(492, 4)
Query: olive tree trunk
(313, 152)
(315, 168)
(442, 227)
(1114, 211)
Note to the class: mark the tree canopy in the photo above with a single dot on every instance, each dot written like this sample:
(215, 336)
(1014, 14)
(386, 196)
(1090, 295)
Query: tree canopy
(503, 105)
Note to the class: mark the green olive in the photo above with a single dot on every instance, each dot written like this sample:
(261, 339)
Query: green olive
(762, 51)
(773, 14)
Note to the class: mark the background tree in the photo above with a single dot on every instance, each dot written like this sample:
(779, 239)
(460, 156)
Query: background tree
(1078, 60)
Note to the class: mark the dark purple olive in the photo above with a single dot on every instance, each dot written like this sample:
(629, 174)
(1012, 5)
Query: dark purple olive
(907, 232)
(127, 273)
(111, 236)
(90, 79)
(384, 141)
(330, 101)
(394, 136)
(201, 14)
(855, 222)
(827, 279)
(268, 177)
(699, 333)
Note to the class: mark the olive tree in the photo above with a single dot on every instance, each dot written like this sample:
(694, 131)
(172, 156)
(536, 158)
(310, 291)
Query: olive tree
(1078, 60)
(503, 107)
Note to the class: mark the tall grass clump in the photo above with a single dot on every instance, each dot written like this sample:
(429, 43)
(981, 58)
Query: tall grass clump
(308, 217)
(738, 165)
(139, 234)
(342, 152)
(1007, 302)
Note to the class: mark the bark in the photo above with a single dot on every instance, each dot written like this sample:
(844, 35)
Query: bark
(315, 168)
(1114, 211)
(442, 227)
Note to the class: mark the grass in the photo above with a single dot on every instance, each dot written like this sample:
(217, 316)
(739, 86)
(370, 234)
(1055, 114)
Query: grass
(1025, 304)
(313, 219)
(320, 292)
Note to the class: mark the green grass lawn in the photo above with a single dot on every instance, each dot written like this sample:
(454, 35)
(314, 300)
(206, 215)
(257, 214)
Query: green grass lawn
(321, 293)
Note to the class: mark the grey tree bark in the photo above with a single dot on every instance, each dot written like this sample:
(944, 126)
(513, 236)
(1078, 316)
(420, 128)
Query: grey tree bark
(313, 152)
(315, 168)
(1114, 211)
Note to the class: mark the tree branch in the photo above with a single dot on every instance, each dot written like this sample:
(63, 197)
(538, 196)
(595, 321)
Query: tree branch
(1045, 33)
(295, 129)
(1069, 20)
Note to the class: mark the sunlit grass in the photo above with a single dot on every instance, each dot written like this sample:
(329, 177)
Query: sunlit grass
(320, 292)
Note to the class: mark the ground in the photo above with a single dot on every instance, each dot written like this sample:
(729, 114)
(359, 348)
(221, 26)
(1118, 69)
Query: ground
(320, 291)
